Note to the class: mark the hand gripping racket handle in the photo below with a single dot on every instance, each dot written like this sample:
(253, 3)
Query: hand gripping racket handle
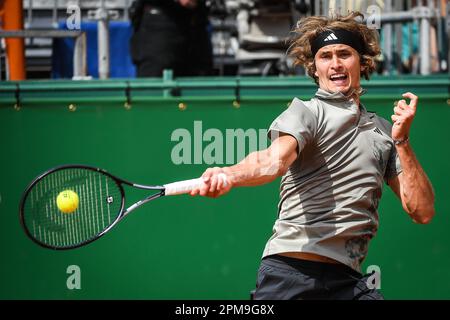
(187, 186)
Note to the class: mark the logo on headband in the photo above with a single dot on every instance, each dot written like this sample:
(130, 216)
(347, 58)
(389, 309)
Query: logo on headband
(331, 37)
(337, 36)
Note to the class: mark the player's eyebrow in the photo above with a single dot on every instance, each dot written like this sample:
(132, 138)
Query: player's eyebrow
(345, 50)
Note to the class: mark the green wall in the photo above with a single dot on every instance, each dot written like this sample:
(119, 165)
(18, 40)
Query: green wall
(194, 248)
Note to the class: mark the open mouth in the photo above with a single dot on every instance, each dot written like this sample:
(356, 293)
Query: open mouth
(339, 78)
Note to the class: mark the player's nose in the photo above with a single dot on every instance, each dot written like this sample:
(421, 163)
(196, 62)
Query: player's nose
(336, 62)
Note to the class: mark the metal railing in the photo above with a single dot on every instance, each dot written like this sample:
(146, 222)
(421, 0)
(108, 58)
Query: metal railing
(57, 9)
(79, 56)
(415, 34)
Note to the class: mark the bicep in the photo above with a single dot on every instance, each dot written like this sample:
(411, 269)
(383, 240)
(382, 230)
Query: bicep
(284, 149)
(394, 184)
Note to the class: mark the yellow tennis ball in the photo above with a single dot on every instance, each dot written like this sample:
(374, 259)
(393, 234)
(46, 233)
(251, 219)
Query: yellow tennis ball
(67, 201)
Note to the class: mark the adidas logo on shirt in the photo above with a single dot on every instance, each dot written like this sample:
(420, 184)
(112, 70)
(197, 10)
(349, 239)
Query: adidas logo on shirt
(377, 131)
(332, 36)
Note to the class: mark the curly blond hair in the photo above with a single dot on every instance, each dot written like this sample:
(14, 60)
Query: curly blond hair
(309, 28)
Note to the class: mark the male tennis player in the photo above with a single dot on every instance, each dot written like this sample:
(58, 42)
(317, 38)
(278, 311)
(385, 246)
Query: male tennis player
(333, 156)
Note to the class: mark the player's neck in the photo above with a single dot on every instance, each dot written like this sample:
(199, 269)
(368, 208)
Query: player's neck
(354, 94)
(355, 98)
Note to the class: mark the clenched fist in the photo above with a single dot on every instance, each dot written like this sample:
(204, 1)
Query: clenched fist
(216, 183)
(403, 116)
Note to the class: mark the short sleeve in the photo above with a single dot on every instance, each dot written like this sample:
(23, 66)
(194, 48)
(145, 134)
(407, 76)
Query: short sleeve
(297, 121)
(393, 167)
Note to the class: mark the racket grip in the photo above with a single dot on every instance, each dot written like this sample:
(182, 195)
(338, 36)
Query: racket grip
(187, 186)
(181, 187)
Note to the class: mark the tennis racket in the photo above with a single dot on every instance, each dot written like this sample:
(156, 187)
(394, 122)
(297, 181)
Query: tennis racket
(99, 204)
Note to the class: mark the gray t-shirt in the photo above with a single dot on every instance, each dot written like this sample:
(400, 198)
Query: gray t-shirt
(329, 196)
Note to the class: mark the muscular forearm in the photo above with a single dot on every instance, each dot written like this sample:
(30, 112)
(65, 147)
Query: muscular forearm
(257, 168)
(416, 190)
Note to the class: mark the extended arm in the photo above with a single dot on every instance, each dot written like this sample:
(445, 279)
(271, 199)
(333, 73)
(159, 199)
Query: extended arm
(412, 186)
(257, 168)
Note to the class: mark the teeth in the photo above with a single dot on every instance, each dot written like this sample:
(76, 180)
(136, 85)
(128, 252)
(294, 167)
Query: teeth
(338, 76)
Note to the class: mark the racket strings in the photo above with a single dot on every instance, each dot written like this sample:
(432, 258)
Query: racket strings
(99, 205)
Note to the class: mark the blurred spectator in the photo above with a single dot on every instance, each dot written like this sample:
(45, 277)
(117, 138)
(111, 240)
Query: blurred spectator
(171, 34)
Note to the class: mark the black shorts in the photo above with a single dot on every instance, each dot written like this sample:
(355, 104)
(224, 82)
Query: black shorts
(284, 278)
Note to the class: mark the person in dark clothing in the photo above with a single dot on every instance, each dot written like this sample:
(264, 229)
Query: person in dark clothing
(170, 35)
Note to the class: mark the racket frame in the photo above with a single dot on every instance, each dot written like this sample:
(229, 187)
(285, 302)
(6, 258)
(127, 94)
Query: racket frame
(123, 212)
